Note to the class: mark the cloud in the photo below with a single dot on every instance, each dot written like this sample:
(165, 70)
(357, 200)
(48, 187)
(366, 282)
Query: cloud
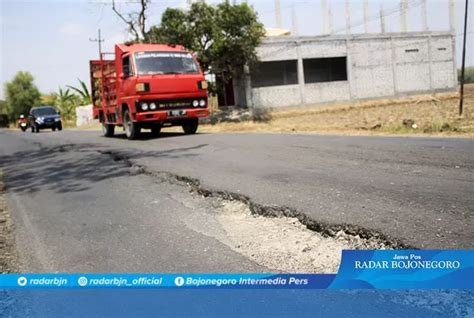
(71, 29)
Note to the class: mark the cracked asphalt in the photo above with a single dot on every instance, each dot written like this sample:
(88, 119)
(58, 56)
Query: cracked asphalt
(76, 209)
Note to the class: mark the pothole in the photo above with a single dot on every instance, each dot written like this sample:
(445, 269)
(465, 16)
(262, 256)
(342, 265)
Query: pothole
(279, 238)
(284, 244)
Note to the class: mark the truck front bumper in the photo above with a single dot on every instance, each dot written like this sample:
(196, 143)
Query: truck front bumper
(168, 116)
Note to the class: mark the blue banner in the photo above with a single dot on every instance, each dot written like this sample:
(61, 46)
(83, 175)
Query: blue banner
(406, 269)
(359, 269)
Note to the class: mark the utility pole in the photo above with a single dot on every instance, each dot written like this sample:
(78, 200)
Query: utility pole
(424, 17)
(366, 16)
(452, 22)
(294, 20)
(461, 93)
(279, 22)
(330, 28)
(98, 40)
(348, 18)
(382, 19)
(324, 14)
(403, 16)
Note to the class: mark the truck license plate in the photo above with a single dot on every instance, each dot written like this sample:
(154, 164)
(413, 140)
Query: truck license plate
(176, 113)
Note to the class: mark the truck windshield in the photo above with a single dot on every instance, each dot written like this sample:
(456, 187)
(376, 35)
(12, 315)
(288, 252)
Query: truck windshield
(165, 63)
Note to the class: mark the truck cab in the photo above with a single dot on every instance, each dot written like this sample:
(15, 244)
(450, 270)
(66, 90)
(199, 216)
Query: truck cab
(148, 86)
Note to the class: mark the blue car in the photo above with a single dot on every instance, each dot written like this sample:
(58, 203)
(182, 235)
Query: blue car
(45, 117)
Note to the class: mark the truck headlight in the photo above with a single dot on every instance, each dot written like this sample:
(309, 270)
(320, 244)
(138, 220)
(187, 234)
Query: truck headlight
(203, 85)
(195, 103)
(152, 106)
(144, 106)
(202, 103)
(142, 87)
(57, 119)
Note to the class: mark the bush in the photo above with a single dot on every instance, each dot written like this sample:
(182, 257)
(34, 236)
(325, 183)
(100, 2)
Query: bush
(468, 75)
(261, 115)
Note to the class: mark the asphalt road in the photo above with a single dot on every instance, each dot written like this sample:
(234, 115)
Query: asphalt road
(77, 209)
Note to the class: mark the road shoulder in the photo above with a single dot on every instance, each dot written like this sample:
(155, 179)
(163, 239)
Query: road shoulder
(8, 255)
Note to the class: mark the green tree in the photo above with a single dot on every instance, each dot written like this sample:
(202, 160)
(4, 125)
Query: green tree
(3, 113)
(83, 92)
(468, 75)
(3, 107)
(225, 37)
(48, 100)
(66, 102)
(21, 94)
(174, 29)
(240, 34)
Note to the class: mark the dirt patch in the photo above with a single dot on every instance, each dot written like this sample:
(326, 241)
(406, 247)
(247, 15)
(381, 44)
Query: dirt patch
(433, 114)
(8, 257)
(284, 244)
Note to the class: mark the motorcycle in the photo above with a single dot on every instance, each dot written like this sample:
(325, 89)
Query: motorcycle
(23, 124)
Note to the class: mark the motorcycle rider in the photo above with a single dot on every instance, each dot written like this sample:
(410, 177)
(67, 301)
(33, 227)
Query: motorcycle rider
(22, 120)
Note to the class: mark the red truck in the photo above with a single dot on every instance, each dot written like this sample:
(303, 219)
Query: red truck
(148, 86)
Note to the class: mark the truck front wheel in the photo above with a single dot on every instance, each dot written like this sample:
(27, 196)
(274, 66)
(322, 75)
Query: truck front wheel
(108, 130)
(132, 130)
(190, 126)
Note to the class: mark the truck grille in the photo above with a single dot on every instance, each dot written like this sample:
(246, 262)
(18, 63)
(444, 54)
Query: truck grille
(169, 104)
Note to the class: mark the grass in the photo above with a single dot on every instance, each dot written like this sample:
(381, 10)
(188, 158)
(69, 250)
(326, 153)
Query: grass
(433, 114)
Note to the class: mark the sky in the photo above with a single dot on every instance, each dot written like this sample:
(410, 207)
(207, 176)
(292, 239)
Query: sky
(51, 38)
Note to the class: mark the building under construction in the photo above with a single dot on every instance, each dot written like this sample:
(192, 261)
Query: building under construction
(330, 68)
(333, 68)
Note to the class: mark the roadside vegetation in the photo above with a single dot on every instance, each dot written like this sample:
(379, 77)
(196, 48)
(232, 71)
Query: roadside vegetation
(22, 94)
(427, 114)
(468, 75)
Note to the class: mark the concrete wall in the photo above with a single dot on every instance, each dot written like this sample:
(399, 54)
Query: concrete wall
(370, 68)
(443, 68)
(327, 92)
(84, 115)
(380, 65)
(275, 96)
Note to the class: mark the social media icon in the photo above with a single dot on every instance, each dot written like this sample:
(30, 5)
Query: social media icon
(179, 281)
(22, 281)
(82, 281)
